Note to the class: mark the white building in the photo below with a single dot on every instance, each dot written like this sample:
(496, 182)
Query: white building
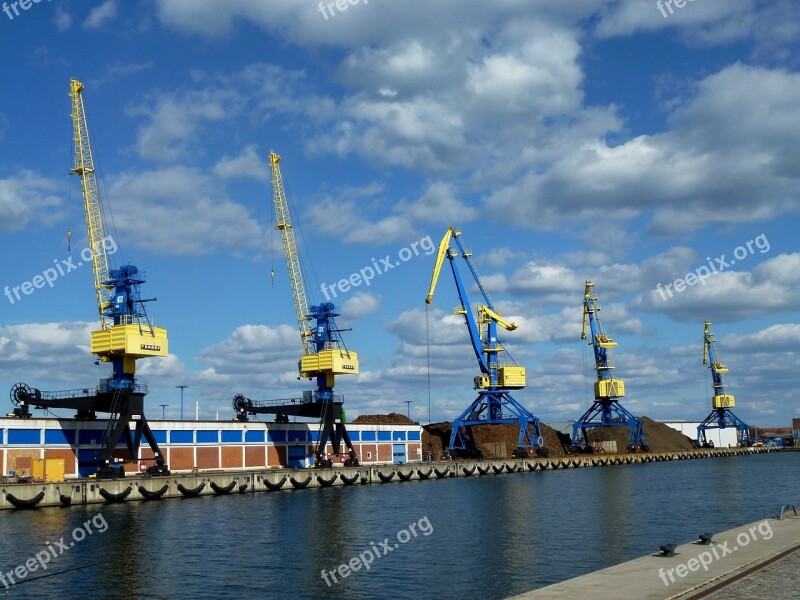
(721, 438)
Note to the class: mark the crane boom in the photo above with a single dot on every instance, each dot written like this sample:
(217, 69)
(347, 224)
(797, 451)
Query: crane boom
(284, 224)
(444, 247)
(84, 167)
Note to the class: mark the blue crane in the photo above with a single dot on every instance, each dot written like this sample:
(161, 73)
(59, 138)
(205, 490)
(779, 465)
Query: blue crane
(605, 411)
(499, 373)
(721, 415)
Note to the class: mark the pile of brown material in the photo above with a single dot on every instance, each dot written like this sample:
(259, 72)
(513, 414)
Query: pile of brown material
(390, 419)
(493, 441)
(657, 436)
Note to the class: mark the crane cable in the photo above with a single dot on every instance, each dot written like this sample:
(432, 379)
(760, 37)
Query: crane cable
(105, 197)
(272, 246)
(296, 219)
(69, 216)
(585, 376)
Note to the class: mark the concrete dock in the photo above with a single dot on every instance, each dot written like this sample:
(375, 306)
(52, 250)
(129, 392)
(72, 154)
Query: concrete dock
(759, 560)
(83, 491)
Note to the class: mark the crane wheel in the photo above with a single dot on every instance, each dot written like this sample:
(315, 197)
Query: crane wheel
(241, 404)
(20, 392)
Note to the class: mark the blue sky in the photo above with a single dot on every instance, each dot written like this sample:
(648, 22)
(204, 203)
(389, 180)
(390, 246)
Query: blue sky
(568, 140)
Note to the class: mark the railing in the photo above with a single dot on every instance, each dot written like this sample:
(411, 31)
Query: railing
(68, 394)
(139, 388)
(284, 401)
(84, 392)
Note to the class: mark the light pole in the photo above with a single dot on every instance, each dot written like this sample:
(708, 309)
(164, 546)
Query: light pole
(408, 407)
(163, 408)
(182, 387)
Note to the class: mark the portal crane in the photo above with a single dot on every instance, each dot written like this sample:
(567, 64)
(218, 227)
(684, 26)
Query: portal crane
(606, 410)
(325, 354)
(499, 374)
(125, 335)
(721, 415)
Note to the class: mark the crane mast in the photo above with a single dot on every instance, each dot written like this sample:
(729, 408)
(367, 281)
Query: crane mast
(125, 335)
(324, 352)
(721, 415)
(283, 224)
(606, 410)
(499, 374)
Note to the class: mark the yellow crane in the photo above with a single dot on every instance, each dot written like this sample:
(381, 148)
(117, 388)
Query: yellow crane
(324, 353)
(125, 335)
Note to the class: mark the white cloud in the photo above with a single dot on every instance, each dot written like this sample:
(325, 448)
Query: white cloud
(782, 337)
(729, 158)
(49, 356)
(360, 305)
(248, 164)
(769, 289)
(100, 15)
(173, 198)
(63, 20)
(28, 198)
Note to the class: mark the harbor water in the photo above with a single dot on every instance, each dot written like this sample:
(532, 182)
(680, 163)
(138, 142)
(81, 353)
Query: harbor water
(491, 536)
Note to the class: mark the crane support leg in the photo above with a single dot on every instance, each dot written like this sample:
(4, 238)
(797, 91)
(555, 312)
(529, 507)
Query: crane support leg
(722, 418)
(333, 429)
(608, 413)
(490, 408)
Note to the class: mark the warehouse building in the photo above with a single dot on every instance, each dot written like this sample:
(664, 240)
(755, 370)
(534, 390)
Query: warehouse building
(197, 445)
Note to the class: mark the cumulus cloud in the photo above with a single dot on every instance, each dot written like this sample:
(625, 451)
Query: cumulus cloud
(723, 161)
(28, 198)
(100, 15)
(769, 289)
(172, 198)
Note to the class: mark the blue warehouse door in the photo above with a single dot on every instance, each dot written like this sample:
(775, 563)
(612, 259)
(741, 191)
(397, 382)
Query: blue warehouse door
(297, 457)
(87, 462)
(399, 453)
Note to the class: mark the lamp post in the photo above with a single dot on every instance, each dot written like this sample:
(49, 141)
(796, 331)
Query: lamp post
(182, 387)
(163, 409)
(408, 407)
